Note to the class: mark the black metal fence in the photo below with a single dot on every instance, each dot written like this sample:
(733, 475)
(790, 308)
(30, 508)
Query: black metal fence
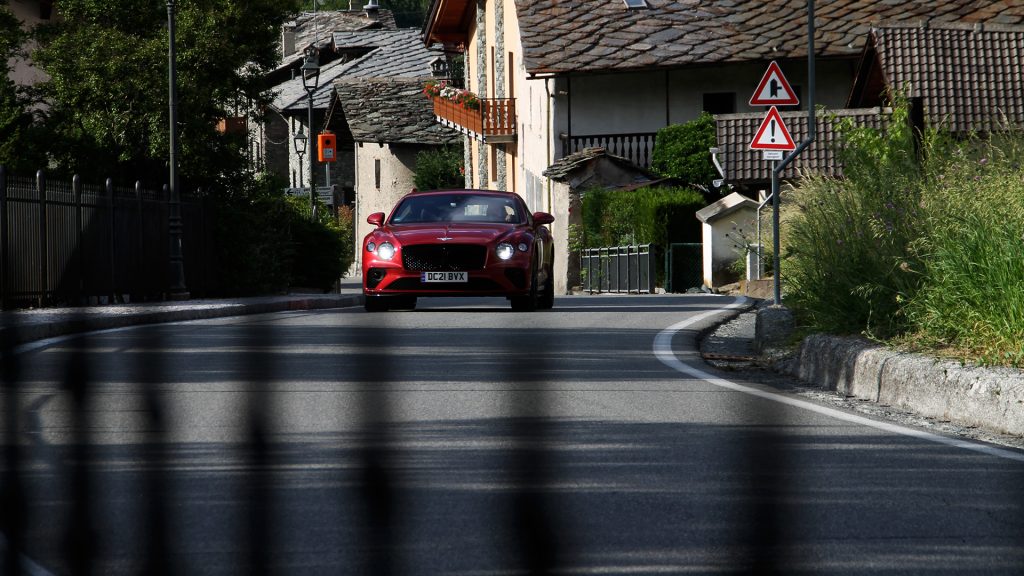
(619, 269)
(72, 243)
(684, 266)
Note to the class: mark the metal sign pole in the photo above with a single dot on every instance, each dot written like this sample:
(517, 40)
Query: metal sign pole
(812, 128)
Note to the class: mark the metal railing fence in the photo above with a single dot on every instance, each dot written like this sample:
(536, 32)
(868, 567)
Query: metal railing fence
(637, 147)
(683, 266)
(628, 269)
(69, 242)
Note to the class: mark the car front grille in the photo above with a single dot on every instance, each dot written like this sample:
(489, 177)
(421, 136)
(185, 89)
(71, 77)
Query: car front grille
(446, 257)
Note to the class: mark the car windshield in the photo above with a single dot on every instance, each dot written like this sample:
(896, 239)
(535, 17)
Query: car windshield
(457, 208)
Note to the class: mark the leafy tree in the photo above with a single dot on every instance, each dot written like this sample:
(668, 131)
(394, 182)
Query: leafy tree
(439, 168)
(681, 151)
(107, 61)
(18, 151)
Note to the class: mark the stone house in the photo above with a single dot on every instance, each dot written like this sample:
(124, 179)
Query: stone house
(271, 131)
(579, 73)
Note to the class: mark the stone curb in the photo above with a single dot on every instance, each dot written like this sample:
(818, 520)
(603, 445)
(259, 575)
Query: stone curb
(989, 398)
(49, 324)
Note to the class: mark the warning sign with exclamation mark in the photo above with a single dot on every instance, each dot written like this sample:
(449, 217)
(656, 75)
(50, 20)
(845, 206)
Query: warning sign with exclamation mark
(772, 135)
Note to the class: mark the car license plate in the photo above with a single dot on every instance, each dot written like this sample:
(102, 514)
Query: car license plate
(444, 277)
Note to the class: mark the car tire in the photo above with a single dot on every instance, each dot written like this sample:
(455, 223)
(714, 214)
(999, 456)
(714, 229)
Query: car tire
(546, 301)
(528, 303)
(376, 304)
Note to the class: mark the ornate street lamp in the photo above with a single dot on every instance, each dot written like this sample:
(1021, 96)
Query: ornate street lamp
(177, 290)
(310, 78)
(300, 149)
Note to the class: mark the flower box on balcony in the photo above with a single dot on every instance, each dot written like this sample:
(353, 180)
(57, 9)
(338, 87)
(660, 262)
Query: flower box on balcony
(494, 120)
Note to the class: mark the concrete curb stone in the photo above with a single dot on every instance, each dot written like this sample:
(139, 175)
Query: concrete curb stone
(21, 326)
(989, 398)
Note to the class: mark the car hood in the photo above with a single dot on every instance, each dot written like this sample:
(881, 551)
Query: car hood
(450, 233)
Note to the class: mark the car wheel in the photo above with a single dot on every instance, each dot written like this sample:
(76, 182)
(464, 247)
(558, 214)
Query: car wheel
(376, 304)
(547, 296)
(529, 302)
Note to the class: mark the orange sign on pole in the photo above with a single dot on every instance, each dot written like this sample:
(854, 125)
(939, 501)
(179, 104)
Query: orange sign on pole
(327, 147)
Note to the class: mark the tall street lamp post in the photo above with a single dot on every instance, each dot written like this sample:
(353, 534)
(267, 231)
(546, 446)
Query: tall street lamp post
(300, 149)
(177, 290)
(310, 78)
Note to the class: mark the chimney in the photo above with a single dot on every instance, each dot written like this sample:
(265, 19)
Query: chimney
(287, 40)
(371, 9)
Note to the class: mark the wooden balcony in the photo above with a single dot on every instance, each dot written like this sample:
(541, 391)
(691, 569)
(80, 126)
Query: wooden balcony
(637, 147)
(495, 121)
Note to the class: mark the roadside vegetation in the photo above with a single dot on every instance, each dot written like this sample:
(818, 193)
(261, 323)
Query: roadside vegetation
(103, 112)
(920, 245)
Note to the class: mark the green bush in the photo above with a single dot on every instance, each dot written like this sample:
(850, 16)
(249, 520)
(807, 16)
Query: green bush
(919, 244)
(655, 215)
(848, 245)
(267, 243)
(439, 169)
(683, 151)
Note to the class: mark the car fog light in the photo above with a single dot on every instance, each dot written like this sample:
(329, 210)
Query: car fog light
(505, 250)
(385, 251)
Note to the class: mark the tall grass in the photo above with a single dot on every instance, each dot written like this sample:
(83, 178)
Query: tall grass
(920, 247)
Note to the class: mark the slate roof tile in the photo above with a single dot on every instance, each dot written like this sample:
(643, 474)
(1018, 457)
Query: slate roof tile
(733, 31)
(391, 110)
(736, 131)
(968, 78)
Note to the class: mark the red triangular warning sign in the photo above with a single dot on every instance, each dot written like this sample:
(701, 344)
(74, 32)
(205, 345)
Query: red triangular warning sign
(772, 135)
(774, 89)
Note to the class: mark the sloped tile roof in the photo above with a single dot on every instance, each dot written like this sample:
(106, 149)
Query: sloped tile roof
(598, 35)
(564, 167)
(735, 132)
(391, 110)
(308, 29)
(393, 54)
(969, 78)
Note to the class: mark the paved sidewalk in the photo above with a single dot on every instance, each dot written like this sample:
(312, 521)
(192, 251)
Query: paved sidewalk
(20, 326)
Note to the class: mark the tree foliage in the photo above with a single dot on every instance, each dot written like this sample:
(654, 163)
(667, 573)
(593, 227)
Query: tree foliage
(682, 151)
(107, 93)
(439, 168)
(18, 149)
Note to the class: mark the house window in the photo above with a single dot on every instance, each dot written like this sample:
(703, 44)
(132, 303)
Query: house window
(376, 173)
(635, 4)
(720, 102)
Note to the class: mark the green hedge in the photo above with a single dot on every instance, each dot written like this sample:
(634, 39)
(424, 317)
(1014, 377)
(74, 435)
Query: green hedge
(682, 151)
(268, 244)
(652, 215)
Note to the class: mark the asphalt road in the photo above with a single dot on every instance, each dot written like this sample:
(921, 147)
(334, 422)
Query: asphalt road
(463, 438)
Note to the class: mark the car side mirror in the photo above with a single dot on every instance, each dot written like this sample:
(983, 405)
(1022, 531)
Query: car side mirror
(542, 218)
(377, 219)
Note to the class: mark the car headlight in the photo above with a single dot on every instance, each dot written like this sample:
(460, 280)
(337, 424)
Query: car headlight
(386, 251)
(524, 247)
(505, 251)
(371, 246)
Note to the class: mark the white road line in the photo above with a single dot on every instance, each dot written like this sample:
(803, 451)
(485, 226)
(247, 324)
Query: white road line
(663, 351)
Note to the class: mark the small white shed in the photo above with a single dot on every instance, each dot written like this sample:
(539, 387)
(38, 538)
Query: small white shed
(729, 226)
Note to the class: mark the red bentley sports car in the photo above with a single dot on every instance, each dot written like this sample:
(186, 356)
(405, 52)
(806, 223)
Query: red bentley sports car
(459, 243)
